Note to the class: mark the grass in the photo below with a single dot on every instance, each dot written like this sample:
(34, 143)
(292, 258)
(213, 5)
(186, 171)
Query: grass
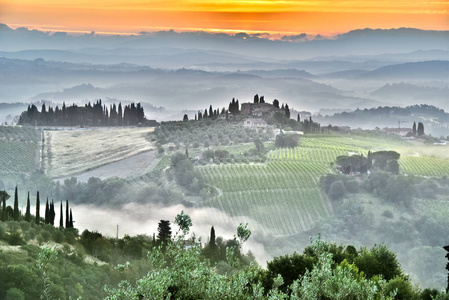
(19, 151)
(70, 152)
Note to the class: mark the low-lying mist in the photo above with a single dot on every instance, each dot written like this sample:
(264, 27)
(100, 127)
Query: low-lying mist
(134, 219)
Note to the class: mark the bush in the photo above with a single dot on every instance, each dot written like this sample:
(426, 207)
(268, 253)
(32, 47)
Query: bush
(2, 231)
(15, 239)
(337, 190)
(15, 294)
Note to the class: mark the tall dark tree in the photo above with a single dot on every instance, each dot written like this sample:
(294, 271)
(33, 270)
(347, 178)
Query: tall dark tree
(163, 231)
(298, 118)
(211, 111)
(256, 98)
(16, 213)
(276, 103)
(186, 118)
(61, 217)
(67, 217)
(414, 128)
(262, 99)
(4, 196)
(287, 111)
(52, 213)
(47, 212)
(38, 204)
(420, 129)
(71, 219)
(212, 237)
(28, 210)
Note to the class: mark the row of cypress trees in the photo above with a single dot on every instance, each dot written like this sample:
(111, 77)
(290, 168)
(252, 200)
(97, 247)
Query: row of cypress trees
(50, 214)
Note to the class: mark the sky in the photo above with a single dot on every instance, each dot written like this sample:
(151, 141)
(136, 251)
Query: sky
(253, 16)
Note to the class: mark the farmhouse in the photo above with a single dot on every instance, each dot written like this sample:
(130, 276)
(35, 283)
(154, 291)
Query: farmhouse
(398, 131)
(254, 123)
(259, 109)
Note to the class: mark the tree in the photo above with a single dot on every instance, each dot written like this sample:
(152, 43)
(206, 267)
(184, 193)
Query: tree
(4, 196)
(420, 129)
(256, 98)
(71, 219)
(337, 190)
(16, 213)
(163, 232)
(185, 118)
(28, 210)
(61, 222)
(67, 217)
(298, 118)
(38, 204)
(287, 111)
(212, 237)
(276, 103)
(414, 128)
(52, 213)
(47, 213)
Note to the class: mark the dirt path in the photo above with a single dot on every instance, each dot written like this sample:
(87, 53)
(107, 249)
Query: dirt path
(129, 167)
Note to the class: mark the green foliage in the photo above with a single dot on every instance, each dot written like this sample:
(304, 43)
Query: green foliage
(184, 222)
(14, 294)
(403, 288)
(337, 190)
(44, 260)
(379, 260)
(287, 140)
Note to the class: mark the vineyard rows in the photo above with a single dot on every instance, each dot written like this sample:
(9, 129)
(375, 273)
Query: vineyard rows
(282, 197)
(18, 150)
(424, 166)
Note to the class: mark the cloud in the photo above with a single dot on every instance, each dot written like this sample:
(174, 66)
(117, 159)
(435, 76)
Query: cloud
(295, 38)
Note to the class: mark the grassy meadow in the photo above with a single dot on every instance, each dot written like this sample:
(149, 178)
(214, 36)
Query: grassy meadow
(70, 152)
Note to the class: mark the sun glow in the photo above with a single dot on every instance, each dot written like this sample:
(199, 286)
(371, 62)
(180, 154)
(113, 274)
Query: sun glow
(274, 16)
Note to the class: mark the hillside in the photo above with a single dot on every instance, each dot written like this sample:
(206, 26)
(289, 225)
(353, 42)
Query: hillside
(278, 192)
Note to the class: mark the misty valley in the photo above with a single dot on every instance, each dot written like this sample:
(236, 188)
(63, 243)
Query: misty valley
(207, 166)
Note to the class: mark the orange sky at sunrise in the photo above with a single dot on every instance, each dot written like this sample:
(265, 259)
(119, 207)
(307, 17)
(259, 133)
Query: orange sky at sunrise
(273, 16)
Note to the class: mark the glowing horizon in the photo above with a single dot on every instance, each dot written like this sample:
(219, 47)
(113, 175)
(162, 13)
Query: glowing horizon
(254, 16)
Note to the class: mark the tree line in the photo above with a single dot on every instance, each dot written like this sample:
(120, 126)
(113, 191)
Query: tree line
(97, 114)
(13, 213)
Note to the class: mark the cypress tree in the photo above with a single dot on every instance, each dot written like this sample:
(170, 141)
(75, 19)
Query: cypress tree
(16, 212)
(47, 213)
(61, 222)
(414, 128)
(4, 195)
(420, 129)
(71, 219)
(212, 237)
(38, 204)
(67, 220)
(52, 213)
(28, 211)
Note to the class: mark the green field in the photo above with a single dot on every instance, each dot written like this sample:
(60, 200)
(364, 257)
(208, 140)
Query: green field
(19, 151)
(283, 195)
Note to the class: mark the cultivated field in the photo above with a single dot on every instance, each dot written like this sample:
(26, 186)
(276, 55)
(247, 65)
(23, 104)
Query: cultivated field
(71, 152)
(284, 196)
(19, 151)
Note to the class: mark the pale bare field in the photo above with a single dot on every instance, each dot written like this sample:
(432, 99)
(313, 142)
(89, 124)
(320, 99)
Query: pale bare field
(74, 151)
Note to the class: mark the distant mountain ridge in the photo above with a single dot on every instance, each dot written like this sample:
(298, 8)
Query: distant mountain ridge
(425, 69)
(350, 43)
